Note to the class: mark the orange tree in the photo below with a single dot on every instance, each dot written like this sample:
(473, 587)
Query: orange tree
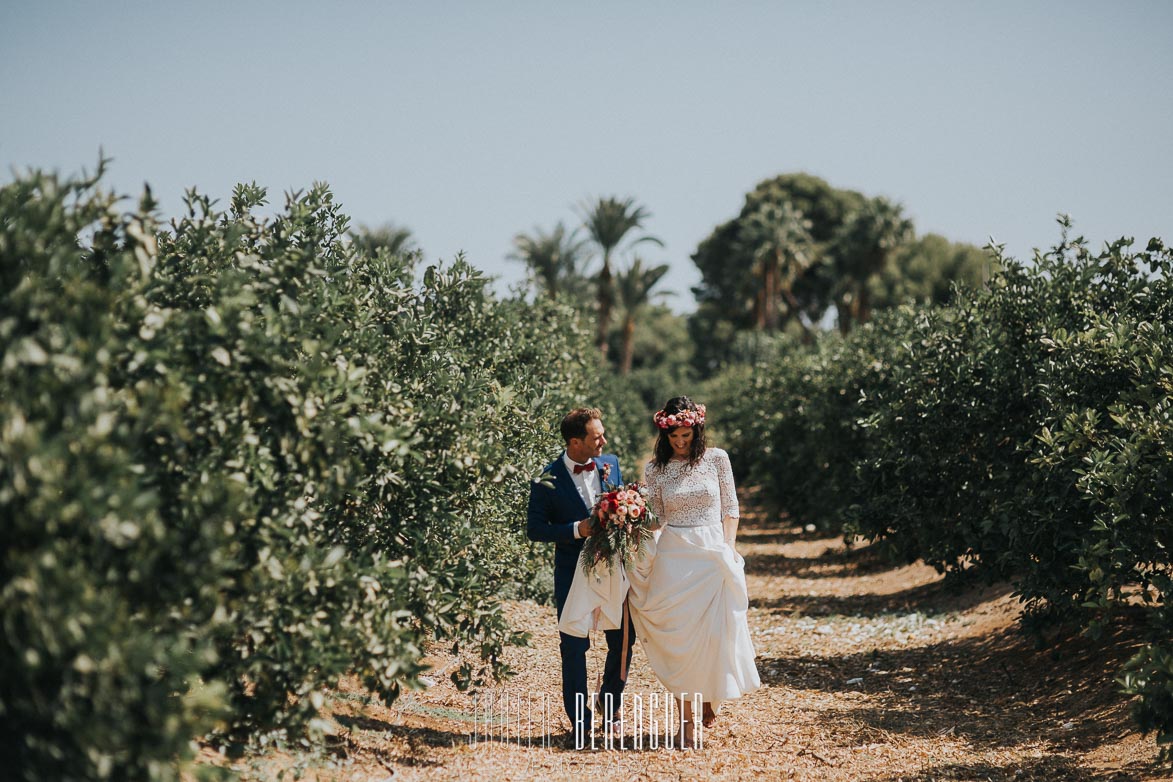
(1024, 431)
(241, 456)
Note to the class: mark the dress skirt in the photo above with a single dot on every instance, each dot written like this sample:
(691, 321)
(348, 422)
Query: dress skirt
(689, 605)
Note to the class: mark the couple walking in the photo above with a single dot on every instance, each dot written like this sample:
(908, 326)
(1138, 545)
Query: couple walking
(687, 596)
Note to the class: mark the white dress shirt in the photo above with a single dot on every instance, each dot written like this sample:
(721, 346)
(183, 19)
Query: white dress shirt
(587, 483)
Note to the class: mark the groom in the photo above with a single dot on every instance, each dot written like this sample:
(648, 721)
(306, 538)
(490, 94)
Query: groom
(559, 513)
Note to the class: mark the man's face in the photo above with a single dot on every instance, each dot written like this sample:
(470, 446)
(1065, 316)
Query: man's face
(590, 446)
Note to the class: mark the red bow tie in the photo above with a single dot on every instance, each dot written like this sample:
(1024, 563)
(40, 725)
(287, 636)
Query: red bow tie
(588, 467)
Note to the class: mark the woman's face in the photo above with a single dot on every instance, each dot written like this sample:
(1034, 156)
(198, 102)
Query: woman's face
(680, 439)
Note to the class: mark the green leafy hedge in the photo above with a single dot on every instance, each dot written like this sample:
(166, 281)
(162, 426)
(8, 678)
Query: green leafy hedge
(1025, 431)
(239, 458)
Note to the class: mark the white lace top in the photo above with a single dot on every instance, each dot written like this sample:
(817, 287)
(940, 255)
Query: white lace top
(684, 496)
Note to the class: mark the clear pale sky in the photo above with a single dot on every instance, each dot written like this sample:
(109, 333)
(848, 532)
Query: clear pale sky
(469, 122)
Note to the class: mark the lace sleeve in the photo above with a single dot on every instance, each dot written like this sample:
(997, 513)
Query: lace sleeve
(729, 506)
(655, 490)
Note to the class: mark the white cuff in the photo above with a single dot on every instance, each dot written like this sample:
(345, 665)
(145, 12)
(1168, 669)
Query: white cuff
(577, 534)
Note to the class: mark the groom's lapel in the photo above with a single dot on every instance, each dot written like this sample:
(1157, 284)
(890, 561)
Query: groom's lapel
(601, 466)
(566, 485)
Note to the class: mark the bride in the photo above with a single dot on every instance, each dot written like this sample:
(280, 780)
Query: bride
(689, 601)
(687, 594)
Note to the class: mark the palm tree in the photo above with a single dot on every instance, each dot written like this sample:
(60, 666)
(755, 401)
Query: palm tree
(554, 259)
(777, 235)
(397, 240)
(608, 221)
(635, 292)
(861, 248)
(390, 248)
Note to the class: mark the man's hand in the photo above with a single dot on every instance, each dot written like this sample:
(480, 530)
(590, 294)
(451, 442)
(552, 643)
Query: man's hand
(587, 527)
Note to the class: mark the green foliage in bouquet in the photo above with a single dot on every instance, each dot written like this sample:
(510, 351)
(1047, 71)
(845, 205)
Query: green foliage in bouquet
(625, 521)
(240, 457)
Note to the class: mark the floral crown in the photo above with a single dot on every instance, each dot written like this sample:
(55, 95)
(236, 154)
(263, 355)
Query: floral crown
(683, 418)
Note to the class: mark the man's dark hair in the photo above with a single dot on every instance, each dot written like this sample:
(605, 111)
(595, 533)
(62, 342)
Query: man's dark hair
(575, 423)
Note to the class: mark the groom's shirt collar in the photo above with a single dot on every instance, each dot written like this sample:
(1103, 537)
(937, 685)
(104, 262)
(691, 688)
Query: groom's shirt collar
(570, 463)
(587, 483)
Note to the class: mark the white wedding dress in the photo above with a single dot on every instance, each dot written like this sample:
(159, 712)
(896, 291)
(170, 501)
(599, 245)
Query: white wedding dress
(688, 598)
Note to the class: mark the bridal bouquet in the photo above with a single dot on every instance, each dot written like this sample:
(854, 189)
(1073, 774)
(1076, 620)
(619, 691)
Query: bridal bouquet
(625, 522)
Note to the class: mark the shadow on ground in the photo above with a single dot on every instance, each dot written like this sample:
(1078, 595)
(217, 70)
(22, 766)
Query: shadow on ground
(836, 562)
(938, 597)
(994, 690)
(1050, 769)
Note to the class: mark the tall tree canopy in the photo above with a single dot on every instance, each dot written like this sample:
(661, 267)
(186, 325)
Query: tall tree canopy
(860, 251)
(554, 260)
(635, 286)
(609, 222)
(778, 238)
(800, 247)
(925, 270)
(395, 239)
(730, 297)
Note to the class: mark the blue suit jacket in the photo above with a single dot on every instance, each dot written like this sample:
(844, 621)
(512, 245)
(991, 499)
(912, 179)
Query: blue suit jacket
(553, 509)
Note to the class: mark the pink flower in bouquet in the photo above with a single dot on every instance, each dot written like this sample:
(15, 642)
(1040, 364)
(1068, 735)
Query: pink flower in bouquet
(625, 526)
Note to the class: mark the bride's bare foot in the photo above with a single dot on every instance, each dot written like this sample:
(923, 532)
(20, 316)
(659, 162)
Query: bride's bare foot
(709, 716)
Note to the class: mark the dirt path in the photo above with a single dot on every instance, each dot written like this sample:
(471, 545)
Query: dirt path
(869, 673)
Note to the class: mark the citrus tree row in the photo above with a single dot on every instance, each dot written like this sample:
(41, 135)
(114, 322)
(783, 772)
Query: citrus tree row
(239, 458)
(1026, 431)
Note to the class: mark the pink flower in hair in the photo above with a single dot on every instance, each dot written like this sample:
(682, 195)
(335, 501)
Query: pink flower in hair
(681, 418)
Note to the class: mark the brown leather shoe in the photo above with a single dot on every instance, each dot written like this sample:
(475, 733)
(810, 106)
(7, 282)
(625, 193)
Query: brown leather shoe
(567, 741)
